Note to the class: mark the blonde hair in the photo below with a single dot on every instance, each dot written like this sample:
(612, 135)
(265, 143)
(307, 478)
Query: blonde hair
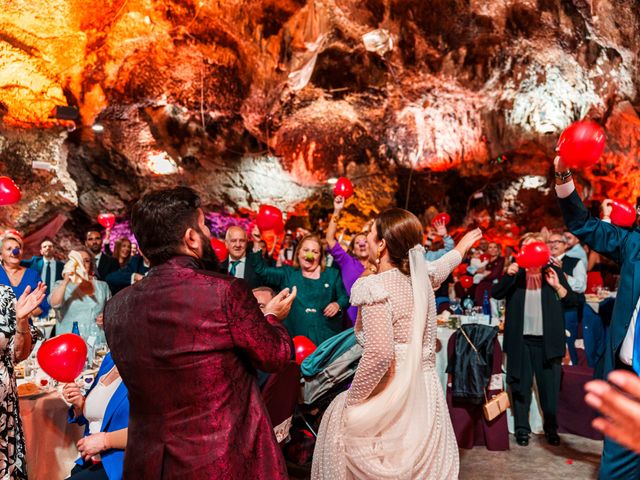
(536, 236)
(11, 236)
(315, 238)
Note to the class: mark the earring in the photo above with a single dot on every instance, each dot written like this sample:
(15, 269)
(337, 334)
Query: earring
(378, 257)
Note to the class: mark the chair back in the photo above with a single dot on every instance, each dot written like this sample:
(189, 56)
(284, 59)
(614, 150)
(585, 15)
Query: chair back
(281, 393)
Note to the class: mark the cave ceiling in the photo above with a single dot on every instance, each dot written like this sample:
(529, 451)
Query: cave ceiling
(254, 101)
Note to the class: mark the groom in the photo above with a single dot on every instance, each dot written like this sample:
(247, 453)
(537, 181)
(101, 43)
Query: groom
(186, 342)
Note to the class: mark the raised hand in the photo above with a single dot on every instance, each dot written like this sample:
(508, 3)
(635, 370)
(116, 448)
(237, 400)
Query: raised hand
(441, 228)
(552, 278)
(338, 204)
(513, 269)
(559, 164)
(468, 240)
(29, 300)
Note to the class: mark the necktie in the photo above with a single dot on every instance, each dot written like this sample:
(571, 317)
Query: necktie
(47, 274)
(234, 266)
(636, 347)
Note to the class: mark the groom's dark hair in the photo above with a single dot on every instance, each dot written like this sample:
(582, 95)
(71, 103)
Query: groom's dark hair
(160, 219)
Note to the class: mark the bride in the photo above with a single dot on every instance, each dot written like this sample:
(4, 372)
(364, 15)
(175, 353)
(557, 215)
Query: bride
(393, 422)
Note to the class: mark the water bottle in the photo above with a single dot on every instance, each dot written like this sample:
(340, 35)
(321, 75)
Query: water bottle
(75, 329)
(486, 305)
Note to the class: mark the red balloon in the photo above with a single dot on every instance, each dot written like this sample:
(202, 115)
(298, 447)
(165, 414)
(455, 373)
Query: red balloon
(461, 269)
(441, 216)
(343, 187)
(9, 192)
(484, 257)
(303, 347)
(63, 357)
(534, 255)
(622, 213)
(220, 248)
(466, 281)
(270, 218)
(581, 144)
(107, 220)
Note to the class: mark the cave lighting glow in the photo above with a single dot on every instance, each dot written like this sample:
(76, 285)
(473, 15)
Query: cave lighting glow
(161, 163)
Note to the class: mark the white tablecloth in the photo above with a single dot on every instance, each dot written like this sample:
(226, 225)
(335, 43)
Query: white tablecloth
(535, 414)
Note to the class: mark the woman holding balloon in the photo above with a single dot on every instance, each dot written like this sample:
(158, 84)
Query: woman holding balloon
(104, 412)
(534, 333)
(15, 345)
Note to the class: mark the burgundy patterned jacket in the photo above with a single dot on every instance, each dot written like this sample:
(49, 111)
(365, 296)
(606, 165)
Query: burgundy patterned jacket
(185, 341)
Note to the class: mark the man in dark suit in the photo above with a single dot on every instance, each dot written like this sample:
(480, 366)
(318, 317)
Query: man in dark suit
(46, 265)
(132, 272)
(621, 350)
(105, 264)
(236, 264)
(185, 341)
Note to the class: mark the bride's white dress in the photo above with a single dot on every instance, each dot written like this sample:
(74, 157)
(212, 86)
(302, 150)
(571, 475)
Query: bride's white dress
(393, 423)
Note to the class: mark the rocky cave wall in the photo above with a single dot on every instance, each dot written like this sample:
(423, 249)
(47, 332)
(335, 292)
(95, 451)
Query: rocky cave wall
(256, 102)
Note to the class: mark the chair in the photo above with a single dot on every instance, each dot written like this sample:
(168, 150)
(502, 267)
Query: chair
(468, 421)
(280, 395)
(574, 415)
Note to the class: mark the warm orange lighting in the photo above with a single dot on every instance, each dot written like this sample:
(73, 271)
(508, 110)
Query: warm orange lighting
(161, 163)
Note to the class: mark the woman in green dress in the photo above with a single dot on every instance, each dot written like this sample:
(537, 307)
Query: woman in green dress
(317, 310)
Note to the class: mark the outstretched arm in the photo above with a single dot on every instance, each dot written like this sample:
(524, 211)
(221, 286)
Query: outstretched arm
(338, 203)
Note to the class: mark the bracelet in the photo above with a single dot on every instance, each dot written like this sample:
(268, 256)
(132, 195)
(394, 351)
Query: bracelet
(22, 332)
(105, 443)
(563, 175)
(335, 217)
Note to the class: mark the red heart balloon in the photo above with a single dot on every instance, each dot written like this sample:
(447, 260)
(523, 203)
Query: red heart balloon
(622, 213)
(63, 357)
(466, 281)
(9, 192)
(270, 218)
(534, 255)
(220, 248)
(303, 348)
(343, 187)
(581, 144)
(441, 216)
(107, 220)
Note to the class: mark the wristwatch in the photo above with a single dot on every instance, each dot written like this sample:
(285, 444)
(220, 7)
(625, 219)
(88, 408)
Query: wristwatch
(563, 175)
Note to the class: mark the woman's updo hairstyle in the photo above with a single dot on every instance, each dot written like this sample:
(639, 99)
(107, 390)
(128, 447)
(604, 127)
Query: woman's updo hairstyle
(401, 230)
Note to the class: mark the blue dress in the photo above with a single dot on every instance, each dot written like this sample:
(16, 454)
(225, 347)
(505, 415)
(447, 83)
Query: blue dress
(30, 278)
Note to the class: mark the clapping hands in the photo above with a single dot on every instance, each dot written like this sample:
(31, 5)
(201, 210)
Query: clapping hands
(29, 300)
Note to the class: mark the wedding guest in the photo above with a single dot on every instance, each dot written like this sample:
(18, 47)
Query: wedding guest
(79, 296)
(188, 356)
(576, 275)
(46, 265)
(14, 275)
(105, 264)
(285, 257)
(122, 251)
(575, 249)
(16, 343)
(447, 242)
(316, 311)
(133, 272)
(236, 264)
(352, 262)
(534, 339)
(491, 273)
(104, 413)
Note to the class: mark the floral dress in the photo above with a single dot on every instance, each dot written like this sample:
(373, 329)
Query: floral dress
(13, 465)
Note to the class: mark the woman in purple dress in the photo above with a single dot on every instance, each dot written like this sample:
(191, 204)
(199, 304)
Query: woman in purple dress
(352, 262)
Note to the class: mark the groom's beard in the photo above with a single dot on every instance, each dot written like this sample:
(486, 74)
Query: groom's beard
(209, 258)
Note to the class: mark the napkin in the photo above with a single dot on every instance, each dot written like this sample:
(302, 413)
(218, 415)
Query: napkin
(75, 268)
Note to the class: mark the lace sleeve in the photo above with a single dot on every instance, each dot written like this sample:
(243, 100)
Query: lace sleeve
(440, 269)
(378, 351)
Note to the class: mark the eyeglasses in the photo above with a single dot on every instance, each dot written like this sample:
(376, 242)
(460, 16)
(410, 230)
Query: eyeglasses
(551, 242)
